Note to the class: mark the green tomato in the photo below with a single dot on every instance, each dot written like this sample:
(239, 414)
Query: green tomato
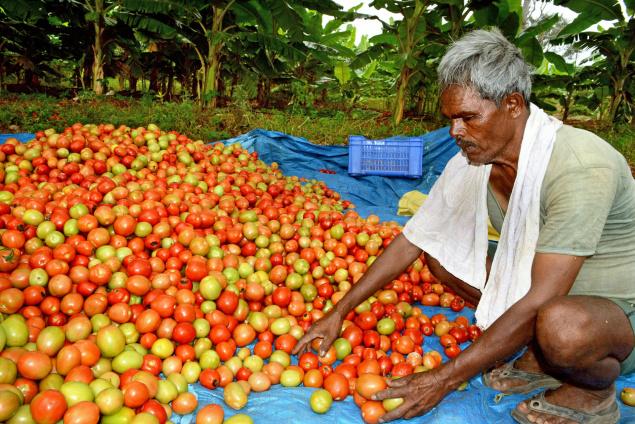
(111, 341)
(201, 327)
(239, 419)
(109, 401)
(386, 326)
(75, 392)
(44, 229)
(301, 266)
(8, 371)
(342, 348)
(290, 378)
(209, 359)
(321, 401)
(191, 371)
(391, 403)
(124, 415)
(162, 348)
(143, 229)
(78, 210)
(70, 227)
(10, 403)
(280, 326)
(309, 292)
(54, 239)
(22, 416)
(294, 281)
(38, 277)
(179, 382)
(281, 357)
(16, 331)
(105, 252)
(51, 381)
(32, 217)
(337, 231)
(166, 391)
(127, 360)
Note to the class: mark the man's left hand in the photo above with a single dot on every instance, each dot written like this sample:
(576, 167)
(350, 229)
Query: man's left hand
(421, 392)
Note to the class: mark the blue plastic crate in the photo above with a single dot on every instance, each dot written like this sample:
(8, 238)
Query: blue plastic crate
(395, 157)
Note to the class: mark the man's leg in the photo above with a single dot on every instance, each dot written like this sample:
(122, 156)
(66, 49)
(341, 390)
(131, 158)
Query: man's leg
(582, 339)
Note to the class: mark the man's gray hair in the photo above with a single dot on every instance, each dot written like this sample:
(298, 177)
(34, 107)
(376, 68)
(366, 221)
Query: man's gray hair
(487, 62)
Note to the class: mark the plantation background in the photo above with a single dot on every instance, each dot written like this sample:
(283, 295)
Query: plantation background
(215, 69)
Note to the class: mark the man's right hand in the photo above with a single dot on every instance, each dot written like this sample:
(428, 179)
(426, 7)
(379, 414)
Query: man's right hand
(326, 328)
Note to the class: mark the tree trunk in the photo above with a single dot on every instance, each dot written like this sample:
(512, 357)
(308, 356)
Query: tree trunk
(232, 88)
(170, 85)
(98, 54)
(1, 76)
(194, 87)
(221, 93)
(210, 90)
(132, 82)
(616, 98)
(122, 82)
(154, 79)
(567, 105)
(400, 100)
(264, 93)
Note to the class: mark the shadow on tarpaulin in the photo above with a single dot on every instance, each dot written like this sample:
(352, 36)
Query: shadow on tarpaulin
(371, 195)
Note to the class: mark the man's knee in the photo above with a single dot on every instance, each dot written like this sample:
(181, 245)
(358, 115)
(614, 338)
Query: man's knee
(562, 332)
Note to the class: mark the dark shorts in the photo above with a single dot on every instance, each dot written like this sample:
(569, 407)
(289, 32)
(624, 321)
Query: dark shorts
(628, 365)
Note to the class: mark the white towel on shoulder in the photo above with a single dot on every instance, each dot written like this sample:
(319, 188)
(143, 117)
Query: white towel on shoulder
(451, 225)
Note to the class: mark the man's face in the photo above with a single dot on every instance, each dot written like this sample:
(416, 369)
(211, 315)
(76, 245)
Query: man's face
(480, 129)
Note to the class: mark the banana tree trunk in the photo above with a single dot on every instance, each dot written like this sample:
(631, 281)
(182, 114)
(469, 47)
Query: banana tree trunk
(132, 83)
(616, 98)
(400, 100)
(232, 88)
(567, 105)
(264, 92)
(210, 89)
(212, 67)
(98, 54)
(170, 85)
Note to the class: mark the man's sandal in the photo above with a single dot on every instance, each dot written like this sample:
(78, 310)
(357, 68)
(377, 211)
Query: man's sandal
(535, 380)
(609, 414)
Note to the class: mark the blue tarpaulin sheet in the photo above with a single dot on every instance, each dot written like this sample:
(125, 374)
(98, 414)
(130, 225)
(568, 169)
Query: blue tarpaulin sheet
(22, 137)
(371, 195)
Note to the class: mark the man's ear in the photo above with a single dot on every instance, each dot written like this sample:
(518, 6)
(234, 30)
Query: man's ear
(514, 103)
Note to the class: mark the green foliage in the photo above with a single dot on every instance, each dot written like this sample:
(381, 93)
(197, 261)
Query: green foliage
(302, 55)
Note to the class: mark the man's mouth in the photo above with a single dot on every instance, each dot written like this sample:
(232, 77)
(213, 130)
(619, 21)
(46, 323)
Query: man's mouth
(465, 145)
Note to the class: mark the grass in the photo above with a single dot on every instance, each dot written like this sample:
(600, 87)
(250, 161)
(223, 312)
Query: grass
(327, 126)
(28, 113)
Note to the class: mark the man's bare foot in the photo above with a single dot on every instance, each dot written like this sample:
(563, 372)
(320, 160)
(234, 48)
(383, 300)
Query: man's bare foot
(568, 396)
(527, 362)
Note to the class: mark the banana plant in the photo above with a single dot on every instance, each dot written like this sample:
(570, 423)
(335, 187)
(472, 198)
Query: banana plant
(614, 48)
(415, 44)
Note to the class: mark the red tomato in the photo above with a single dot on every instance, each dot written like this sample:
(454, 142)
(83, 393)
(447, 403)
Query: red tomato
(48, 407)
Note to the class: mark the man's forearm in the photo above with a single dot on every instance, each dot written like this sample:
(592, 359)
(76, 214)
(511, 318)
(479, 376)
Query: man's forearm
(462, 288)
(513, 330)
(393, 261)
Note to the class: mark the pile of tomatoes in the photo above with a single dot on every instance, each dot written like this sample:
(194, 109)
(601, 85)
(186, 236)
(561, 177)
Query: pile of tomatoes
(134, 262)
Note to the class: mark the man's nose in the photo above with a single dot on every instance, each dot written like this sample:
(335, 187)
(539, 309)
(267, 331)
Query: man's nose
(457, 129)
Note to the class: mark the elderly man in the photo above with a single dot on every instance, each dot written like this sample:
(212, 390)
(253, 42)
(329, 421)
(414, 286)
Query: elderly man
(562, 281)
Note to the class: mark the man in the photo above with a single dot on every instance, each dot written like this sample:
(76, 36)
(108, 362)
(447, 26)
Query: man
(562, 281)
